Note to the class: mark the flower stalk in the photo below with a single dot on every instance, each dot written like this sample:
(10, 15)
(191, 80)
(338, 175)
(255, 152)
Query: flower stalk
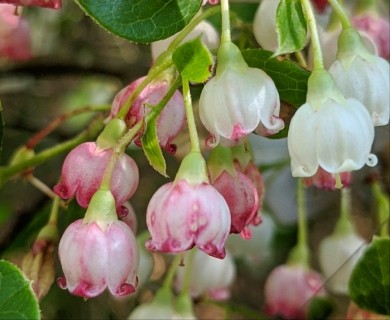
(339, 10)
(225, 36)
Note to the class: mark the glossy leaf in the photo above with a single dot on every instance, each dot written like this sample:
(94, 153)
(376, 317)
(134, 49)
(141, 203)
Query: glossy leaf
(290, 26)
(193, 60)
(369, 285)
(152, 148)
(141, 20)
(17, 299)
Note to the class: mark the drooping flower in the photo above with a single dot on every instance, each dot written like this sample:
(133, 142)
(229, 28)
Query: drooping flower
(289, 289)
(244, 96)
(99, 253)
(329, 131)
(188, 212)
(83, 170)
(15, 39)
(238, 190)
(53, 4)
(209, 276)
(205, 29)
(362, 76)
(171, 118)
(127, 215)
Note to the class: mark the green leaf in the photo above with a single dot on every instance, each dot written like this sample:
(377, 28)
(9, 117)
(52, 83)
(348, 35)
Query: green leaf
(152, 148)
(141, 20)
(369, 285)
(290, 79)
(290, 26)
(193, 60)
(319, 308)
(17, 299)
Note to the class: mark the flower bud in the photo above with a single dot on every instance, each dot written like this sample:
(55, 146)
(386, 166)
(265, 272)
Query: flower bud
(127, 215)
(171, 118)
(209, 276)
(288, 290)
(83, 170)
(99, 252)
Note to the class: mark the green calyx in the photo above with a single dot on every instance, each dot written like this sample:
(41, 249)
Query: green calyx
(350, 46)
(322, 87)
(101, 209)
(220, 159)
(193, 169)
(22, 154)
(229, 56)
(113, 131)
(49, 233)
(299, 255)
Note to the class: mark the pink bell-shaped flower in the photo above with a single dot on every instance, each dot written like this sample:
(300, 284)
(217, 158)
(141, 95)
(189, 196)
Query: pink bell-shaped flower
(15, 39)
(238, 190)
(289, 289)
(188, 212)
(239, 98)
(83, 170)
(53, 4)
(171, 118)
(99, 253)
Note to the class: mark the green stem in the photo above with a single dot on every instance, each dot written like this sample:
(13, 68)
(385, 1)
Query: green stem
(337, 7)
(225, 36)
(195, 145)
(184, 33)
(188, 273)
(318, 61)
(344, 225)
(53, 218)
(301, 59)
(128, 137)
(300, 253)
(171, 272)
(156, 69)
(7, 173)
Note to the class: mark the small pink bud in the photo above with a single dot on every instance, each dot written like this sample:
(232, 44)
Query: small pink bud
(241, 196)
(181, 215)
(289, 289)
(212, 2)
(94, 258)
(53, 4)
(170, 120)
(83, 170)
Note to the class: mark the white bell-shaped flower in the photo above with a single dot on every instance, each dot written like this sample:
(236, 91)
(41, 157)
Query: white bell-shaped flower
(329, 131)
(238, 98)
(363, 76)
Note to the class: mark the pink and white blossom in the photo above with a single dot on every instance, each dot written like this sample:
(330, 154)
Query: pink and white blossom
(181, 215)
(244, 96)
(289, 289)
(95, 257)
(171, 118)
(327, 181)
(82, 174)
